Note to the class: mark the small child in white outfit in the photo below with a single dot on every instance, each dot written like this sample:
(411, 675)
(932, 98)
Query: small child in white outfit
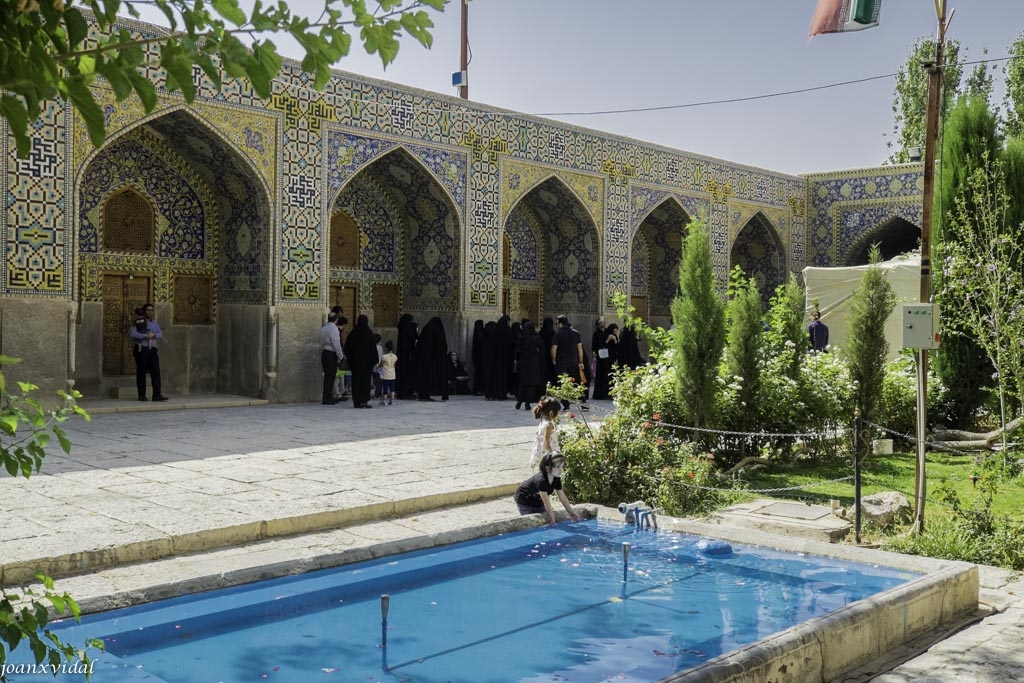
(387, 372)
(546, 411)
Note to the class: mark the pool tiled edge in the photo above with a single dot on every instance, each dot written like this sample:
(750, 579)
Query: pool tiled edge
(824, 648)
(819, 650)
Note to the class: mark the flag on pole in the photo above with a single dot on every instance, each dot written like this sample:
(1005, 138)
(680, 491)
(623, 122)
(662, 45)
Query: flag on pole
(839, 16)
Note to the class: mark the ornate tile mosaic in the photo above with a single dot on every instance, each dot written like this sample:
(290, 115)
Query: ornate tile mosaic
(34, 218)
(663, 230)
(895, 186)
(524, 238)
(379, 222)
(760, 252)
(186, 239)
(294, 155)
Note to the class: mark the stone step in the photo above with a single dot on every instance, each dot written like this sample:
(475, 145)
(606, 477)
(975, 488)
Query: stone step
(789, 518)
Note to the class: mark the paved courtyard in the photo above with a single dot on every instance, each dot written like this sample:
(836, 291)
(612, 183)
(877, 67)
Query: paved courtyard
(161, 486)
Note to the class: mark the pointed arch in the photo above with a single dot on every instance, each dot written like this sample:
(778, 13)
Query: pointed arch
(412, 155)
(185, 110)
(758, 250)
(569, 245)
(544, 179)
(412, 209)
(668, 201)
(128, 220)
(663, 229)
(894, 236)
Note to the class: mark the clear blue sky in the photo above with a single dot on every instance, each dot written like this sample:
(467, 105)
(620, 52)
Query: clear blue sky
(540, 56)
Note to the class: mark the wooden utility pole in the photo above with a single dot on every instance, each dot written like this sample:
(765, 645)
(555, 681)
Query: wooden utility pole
(932, 108)
(464, 52)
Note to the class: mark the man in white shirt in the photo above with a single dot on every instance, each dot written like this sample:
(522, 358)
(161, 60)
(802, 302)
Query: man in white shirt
(330, 356)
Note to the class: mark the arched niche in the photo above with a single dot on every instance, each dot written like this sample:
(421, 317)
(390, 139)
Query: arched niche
(658, 243)
(409, 240)
(758, 250)
(567, 247)
(207, 271)
(894, 237)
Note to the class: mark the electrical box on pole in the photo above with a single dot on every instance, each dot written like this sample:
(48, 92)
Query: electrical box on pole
(460, 79)
(920, 326)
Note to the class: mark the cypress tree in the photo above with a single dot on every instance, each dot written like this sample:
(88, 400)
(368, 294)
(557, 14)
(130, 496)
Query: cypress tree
(866, 347)
(785, 322)
(1013, 177)
(699, 319)
(970, 140)
(744, 343)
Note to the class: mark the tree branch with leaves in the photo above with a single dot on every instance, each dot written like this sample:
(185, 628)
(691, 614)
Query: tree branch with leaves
(26, 428)
(57, 50)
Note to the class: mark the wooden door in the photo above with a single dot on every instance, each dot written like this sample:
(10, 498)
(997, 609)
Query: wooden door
(385, 306)
(345, 296)
(529, 307)
(639, 304)
(122, 294)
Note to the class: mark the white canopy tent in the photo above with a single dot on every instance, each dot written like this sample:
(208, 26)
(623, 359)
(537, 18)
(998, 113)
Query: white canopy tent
(833, 290)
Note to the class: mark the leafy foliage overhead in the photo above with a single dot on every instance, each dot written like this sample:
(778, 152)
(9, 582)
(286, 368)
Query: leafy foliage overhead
(1013, 73)
(52, 50)
(911, 95)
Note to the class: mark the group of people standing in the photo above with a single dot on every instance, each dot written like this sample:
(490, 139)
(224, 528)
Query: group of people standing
(510, 359)
(415, 367)
(516, 359)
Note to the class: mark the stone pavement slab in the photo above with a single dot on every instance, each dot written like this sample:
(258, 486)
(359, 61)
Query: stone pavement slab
(143, 485)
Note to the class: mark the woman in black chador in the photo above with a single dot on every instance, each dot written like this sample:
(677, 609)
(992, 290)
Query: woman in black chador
(405, 349)
(629, 349)
(531, 367)
(498, 353)
(432, 362)
(547, 335)
(361, 352)
(477, 355)
(607, 358)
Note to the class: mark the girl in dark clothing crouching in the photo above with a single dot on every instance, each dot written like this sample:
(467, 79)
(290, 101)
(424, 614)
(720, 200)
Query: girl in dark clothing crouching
(534, 495)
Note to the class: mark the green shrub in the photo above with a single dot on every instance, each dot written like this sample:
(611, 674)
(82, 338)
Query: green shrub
(819, 400)
(637, 454)
(898, 409)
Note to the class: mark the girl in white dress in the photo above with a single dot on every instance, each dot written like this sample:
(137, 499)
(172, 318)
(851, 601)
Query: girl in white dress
(546, 411)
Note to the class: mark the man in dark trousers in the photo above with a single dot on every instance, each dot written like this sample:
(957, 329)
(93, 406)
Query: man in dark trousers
(567, 354)
(818, 332)
(145, 332)
(330, 355)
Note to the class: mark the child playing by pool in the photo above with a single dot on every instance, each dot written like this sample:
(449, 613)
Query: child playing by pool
(534, 495)
(546, 411)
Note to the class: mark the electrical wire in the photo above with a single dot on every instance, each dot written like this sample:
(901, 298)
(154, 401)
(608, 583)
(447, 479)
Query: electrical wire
(749, 98)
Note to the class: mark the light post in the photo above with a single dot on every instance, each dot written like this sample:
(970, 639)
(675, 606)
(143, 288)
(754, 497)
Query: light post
(934, 104)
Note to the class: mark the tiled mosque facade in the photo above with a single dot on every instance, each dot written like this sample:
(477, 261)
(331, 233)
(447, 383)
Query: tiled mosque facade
(244, 219)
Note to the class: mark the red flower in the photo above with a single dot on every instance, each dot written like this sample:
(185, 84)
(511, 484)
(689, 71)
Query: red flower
(572, 416)
(656, 416)
(691, 475)
(658, 442)
(647, 425)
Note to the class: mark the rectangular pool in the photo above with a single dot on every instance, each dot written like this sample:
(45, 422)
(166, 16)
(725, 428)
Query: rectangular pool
(547, 604)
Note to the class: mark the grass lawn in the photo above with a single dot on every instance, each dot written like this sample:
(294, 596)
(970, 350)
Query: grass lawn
(891, 473)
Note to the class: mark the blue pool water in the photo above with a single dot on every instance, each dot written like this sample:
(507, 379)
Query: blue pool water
(539, 605)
